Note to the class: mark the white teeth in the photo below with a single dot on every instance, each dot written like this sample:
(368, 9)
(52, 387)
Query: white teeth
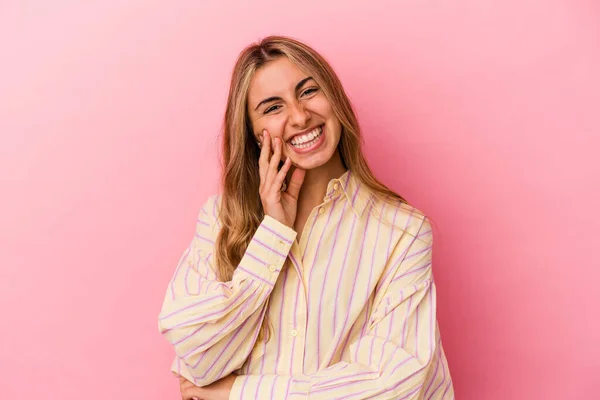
(306, 140)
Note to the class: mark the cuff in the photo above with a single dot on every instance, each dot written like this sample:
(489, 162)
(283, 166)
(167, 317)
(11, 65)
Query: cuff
(267, 251)
(252, 387)
(181, 369)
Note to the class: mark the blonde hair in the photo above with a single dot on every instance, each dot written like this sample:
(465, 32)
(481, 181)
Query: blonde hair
(241, 210)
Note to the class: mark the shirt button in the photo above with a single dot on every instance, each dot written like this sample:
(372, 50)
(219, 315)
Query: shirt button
(272, 268)
(281, 242)
(321, 210)
(294, 333)
(336, 186)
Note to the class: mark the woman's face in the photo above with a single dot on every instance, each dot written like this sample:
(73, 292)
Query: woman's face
(289, 105)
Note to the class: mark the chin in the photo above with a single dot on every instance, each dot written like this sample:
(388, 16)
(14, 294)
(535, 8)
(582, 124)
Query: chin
(308, 165)
(312, 162)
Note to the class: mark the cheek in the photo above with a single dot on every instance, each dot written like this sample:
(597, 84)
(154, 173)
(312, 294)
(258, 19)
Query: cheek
(274, 125)
(321, 106)
(271, 124)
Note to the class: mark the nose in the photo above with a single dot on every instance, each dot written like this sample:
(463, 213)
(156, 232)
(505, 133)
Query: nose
(299, 116)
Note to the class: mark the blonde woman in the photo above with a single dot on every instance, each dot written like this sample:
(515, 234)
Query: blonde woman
(307, 278)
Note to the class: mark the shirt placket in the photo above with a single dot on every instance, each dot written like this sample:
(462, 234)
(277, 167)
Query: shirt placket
(298, 332)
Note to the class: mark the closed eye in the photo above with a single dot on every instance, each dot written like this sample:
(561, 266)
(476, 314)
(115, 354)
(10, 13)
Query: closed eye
(309, 91)
(272, 108)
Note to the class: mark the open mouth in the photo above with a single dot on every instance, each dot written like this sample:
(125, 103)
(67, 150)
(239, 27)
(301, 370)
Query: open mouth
(308, 139)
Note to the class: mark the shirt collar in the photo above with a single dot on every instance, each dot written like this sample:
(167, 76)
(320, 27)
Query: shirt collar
(355, 191)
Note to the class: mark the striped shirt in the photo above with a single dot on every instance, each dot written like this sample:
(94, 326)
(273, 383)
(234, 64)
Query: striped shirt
(351, 302)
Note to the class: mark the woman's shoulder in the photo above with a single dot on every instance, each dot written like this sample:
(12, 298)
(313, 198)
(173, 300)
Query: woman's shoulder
(209, 211)
(402, 216)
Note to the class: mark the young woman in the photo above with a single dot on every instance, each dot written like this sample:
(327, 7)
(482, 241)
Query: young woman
(307, 278)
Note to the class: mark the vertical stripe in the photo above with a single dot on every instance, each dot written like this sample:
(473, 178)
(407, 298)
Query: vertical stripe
(314, 218)
(366, 301)
(347, 250)
(270, 396)
(406, 322)
(258, 387)
(293, 352)
(354, 283)
(310, 274)
(432, 325)
(263, 358)
(337, 289)
(392, 270)
(325, 282)
(417, 331)
(244, 386)
(278, 332)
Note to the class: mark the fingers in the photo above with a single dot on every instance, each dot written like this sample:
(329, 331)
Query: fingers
(263, 160)
(269, 163)
(282, 173)
(192, 393)
(293, 188)
(188, 390)
(273, 164)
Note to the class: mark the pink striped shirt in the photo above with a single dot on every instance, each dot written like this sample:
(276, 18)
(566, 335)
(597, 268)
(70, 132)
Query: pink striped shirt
(352, 304)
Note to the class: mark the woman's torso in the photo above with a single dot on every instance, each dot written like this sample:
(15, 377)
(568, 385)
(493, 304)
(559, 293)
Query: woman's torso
(325, 294)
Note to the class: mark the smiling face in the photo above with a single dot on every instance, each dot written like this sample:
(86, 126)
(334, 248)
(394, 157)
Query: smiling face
(288, 104)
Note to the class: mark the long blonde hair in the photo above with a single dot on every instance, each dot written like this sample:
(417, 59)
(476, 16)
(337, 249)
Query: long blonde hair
(241, 210)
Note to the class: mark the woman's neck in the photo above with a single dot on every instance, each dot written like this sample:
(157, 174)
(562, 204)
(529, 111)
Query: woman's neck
(315, 183)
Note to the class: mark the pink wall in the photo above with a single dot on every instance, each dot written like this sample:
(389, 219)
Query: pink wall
(485, 114)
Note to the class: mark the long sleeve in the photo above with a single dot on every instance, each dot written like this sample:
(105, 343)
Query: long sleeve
(213, 325)
(398, 356)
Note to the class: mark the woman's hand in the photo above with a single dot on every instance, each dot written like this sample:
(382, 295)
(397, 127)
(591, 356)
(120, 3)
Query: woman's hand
(218, 390)
(277, 204)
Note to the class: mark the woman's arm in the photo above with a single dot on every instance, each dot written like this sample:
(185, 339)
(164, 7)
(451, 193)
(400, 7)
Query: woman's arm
(399, 355)
(213, 325)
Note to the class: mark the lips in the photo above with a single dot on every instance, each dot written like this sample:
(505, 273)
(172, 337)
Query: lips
(309, 142)
(304, 132)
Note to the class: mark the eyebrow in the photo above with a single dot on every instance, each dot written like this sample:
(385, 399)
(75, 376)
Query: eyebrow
(273, 98)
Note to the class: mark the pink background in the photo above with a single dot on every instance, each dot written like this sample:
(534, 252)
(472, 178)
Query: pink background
(484, 114)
